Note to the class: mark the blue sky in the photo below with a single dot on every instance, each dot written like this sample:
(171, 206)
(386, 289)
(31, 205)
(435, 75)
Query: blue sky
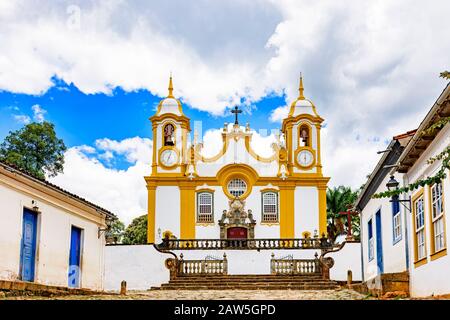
(98, 69)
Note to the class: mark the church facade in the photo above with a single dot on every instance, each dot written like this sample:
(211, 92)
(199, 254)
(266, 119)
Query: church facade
(236, 194)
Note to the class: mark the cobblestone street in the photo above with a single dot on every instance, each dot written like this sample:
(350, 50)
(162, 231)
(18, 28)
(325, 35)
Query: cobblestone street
(220, 295)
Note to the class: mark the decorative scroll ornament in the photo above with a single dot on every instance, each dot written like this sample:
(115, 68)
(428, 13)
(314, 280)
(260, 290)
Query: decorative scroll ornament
(237, 216)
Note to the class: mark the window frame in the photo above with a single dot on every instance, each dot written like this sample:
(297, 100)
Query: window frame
(370, 238)
(419, 232)
(198, 213)
(396, 221)
(277, 207)
(434, 220)
(243, 191)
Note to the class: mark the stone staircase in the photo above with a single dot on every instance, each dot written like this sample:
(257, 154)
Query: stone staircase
(249, 282)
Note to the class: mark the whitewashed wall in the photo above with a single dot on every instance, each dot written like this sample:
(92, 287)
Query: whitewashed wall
(306, 207)
(53, 241)
(143, 267)
(348, 258)
(394, 254)
(432, 277)
(167, 210)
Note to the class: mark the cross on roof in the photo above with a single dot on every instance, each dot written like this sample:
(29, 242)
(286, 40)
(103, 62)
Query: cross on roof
(236, 111)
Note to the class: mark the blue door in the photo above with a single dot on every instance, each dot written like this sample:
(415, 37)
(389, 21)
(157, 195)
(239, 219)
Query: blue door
(379, 242)
(75, 258)
(28, 245)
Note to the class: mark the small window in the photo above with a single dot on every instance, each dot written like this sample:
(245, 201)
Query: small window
(370, 238)
(205, 207)
(396, 220)
(419, 228)
(437, 217)
(169, 135)
(269, 207)
(305, 138)
(237, 187)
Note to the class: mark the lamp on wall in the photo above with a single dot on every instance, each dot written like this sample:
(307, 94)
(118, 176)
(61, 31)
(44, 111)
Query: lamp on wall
(392, 185)
(35, 206)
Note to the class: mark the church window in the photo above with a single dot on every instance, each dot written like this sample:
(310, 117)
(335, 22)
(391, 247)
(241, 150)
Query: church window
(396, 220)
(269, 207)
(419, 226)
(437, 218)
(169, 133)
(370, 238)
(305, 136)
(237, 187)
(205, 211)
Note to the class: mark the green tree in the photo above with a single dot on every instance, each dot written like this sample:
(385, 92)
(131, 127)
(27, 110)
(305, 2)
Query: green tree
(445, 75)
(338, 200)
(115, 232)
(35, 149)
(136, 232)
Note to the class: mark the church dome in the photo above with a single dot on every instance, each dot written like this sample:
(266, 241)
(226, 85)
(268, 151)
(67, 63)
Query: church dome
(170, 104)
(302, 105)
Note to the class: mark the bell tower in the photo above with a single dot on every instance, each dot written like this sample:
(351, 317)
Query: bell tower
(302, 133)
(170, 131)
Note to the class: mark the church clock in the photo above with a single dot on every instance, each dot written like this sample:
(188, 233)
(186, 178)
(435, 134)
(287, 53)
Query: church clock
(169, 157)
(305, 158)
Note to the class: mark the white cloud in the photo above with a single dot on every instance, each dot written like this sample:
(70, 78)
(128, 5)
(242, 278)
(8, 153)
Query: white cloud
(279, 114)
(23, 119)
(370, 67)
(121, 191)
(38, 113)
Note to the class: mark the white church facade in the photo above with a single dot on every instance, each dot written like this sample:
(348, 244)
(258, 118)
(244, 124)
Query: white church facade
(190, 195)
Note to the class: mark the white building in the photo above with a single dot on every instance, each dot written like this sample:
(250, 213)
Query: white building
(409, 236)
(383, 238)
(48, 235)
(430, 204)
(190, 195)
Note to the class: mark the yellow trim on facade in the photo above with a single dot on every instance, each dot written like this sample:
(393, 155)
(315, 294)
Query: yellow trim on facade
(439, 254)
(187, 212)
(421, 262)
(205, 190)
(151, 189)
(269, 190)
(237, 171)
(255, 155)
(435, 255)
(286, 215)
(319, 159)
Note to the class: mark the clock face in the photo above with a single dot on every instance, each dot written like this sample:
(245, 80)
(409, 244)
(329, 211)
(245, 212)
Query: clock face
(305, 158)
(169, 157)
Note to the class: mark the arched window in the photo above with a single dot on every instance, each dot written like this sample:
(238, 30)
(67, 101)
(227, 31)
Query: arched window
(269, 207)
(205, 211)
(237, 187)
(169, 135)
(304, 136)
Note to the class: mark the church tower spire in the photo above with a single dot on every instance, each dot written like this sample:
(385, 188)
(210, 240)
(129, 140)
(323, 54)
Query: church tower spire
(170, 87)
(301, 89)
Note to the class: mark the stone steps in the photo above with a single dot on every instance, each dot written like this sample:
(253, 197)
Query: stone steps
(249, 282)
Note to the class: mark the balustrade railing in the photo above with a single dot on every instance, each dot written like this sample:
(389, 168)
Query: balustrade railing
(236, 244)
(295, 266)
(206, 266)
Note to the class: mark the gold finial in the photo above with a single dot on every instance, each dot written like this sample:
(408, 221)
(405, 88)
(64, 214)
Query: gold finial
(170, 87)
(300, 88)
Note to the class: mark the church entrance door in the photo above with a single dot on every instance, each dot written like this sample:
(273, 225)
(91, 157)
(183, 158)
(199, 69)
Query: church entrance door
(237, 233)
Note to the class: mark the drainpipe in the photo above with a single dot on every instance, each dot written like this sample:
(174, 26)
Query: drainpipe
(361, 241)
(405, 183)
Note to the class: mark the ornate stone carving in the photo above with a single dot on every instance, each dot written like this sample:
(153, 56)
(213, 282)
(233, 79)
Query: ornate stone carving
(237, 216)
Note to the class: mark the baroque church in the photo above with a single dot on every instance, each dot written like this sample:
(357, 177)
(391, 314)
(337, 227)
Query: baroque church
(236, 194)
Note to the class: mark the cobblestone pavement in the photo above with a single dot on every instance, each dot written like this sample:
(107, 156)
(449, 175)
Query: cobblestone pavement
(221, 295)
